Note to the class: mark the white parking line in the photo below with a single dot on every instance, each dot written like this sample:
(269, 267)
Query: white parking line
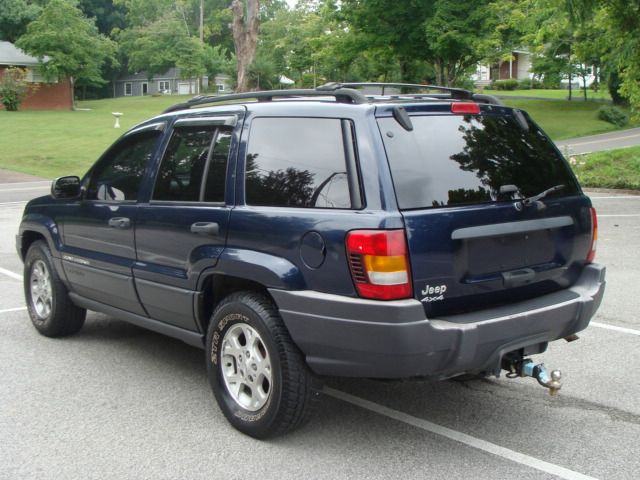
(460, 437)
(11, 274)
(12, 204)
(17, 309)
(615, 329)
(621, 215)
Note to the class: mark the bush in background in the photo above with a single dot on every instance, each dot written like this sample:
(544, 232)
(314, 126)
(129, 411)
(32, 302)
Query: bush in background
(510, 84)
(13, 88)
(613, 115)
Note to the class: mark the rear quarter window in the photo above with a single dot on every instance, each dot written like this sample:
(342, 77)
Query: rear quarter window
(299, 162)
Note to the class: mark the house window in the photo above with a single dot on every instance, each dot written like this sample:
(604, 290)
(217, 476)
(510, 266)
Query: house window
(128, 89)
(163, 86)
(220, 87)
(35, 76)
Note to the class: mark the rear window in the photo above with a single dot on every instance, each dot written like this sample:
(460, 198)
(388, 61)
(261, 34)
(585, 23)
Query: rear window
(455, 160)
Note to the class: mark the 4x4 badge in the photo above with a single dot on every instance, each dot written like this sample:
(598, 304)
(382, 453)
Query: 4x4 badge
(433, 294)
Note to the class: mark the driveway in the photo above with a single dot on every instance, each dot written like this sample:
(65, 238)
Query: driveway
(604, 141)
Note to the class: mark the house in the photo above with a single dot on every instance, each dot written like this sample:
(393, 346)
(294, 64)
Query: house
(168, 83)
(48, 95)
(517, 67)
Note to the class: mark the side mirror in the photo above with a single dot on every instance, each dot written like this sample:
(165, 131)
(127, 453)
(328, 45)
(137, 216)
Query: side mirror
(66, 187)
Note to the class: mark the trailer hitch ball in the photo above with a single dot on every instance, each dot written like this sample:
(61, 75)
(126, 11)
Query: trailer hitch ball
(554, 383)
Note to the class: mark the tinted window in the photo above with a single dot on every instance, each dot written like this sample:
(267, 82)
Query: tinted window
(452, 160)
(297, 162)
(183, 165)
(121, 169)
(216, 176)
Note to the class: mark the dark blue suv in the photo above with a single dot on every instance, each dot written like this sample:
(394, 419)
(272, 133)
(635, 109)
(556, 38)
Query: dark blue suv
(305, 233)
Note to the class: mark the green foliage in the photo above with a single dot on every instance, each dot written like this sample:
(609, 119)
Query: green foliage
(529, 84)
(71, 41)
(13, 88)
(455, 35)
(15, 15)
(509, 84)
(610, 169)
(613, 115)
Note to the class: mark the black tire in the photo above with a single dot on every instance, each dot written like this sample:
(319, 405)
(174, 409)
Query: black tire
(57, 316)
(292, 390)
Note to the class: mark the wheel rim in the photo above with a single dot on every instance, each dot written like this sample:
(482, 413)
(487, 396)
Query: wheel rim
(246, 367)
(41, 293)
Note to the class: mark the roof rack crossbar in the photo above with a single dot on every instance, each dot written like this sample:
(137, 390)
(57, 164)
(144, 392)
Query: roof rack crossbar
(343, 95)
(456, 93)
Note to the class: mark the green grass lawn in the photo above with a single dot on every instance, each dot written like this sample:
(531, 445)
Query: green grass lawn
(612, 169)
(563, 120)
(559, 94)
(51, 144)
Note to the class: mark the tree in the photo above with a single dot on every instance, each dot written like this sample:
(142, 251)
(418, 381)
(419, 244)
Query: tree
(14, 88)
(15, 15)
(72, 43)
(455, 35)
(246, 22)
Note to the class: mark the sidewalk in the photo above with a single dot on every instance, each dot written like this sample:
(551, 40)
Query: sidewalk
(8, 176)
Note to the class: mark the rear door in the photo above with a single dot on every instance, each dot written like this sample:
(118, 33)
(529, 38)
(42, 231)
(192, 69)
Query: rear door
(460, 182)
(183, 229)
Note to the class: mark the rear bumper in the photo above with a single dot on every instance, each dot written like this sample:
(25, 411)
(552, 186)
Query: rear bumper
(343, 336)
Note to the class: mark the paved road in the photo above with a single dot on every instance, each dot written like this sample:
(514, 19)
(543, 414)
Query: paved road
(116, 401)
(597, 143)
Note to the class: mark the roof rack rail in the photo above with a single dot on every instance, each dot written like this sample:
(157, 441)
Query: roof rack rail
(455, 93)
(342, 95)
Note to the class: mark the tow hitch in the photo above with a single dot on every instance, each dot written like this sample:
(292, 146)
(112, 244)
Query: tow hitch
(525, 367)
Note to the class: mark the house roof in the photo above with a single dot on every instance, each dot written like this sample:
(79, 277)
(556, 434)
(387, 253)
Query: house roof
(12, 55)
(170, 74)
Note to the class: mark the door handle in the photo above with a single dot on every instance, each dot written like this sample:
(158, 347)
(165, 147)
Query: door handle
(120, 222)
(208, 228)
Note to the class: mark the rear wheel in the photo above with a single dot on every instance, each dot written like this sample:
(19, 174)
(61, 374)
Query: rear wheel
(48, 303)
(259, 377)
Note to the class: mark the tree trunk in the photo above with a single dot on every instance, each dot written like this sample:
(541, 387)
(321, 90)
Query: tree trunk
(73, 93)
(246, 21)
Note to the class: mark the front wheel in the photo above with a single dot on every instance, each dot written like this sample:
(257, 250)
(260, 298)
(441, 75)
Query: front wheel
(258, 375)
(48, 303)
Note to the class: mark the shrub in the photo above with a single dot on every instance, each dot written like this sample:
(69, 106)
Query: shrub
(614, 115)
(510, 84)
(13, 88)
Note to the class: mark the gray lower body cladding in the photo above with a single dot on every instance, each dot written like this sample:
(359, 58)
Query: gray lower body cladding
(343, 336)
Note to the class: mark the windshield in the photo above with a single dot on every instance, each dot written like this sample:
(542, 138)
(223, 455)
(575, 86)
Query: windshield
(454, 160)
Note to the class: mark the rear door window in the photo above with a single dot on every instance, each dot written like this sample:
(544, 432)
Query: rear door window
(455, 160)
(195, 156)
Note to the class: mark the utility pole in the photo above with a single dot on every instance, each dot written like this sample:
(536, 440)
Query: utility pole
(201, 40)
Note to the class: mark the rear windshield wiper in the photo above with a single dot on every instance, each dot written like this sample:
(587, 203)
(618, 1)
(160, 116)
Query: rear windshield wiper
(533, 200)
(540, 196)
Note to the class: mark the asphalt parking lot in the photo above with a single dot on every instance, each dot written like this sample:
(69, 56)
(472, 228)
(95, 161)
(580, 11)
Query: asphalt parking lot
(116, 401)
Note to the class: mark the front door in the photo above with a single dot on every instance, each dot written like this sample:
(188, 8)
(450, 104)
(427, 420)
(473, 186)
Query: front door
(183, 229)
(145, 88)
(98, 231)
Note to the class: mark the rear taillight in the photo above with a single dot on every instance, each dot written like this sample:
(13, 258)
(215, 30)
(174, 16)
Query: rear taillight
(465, 108)
(379, 263)
(594, 236)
